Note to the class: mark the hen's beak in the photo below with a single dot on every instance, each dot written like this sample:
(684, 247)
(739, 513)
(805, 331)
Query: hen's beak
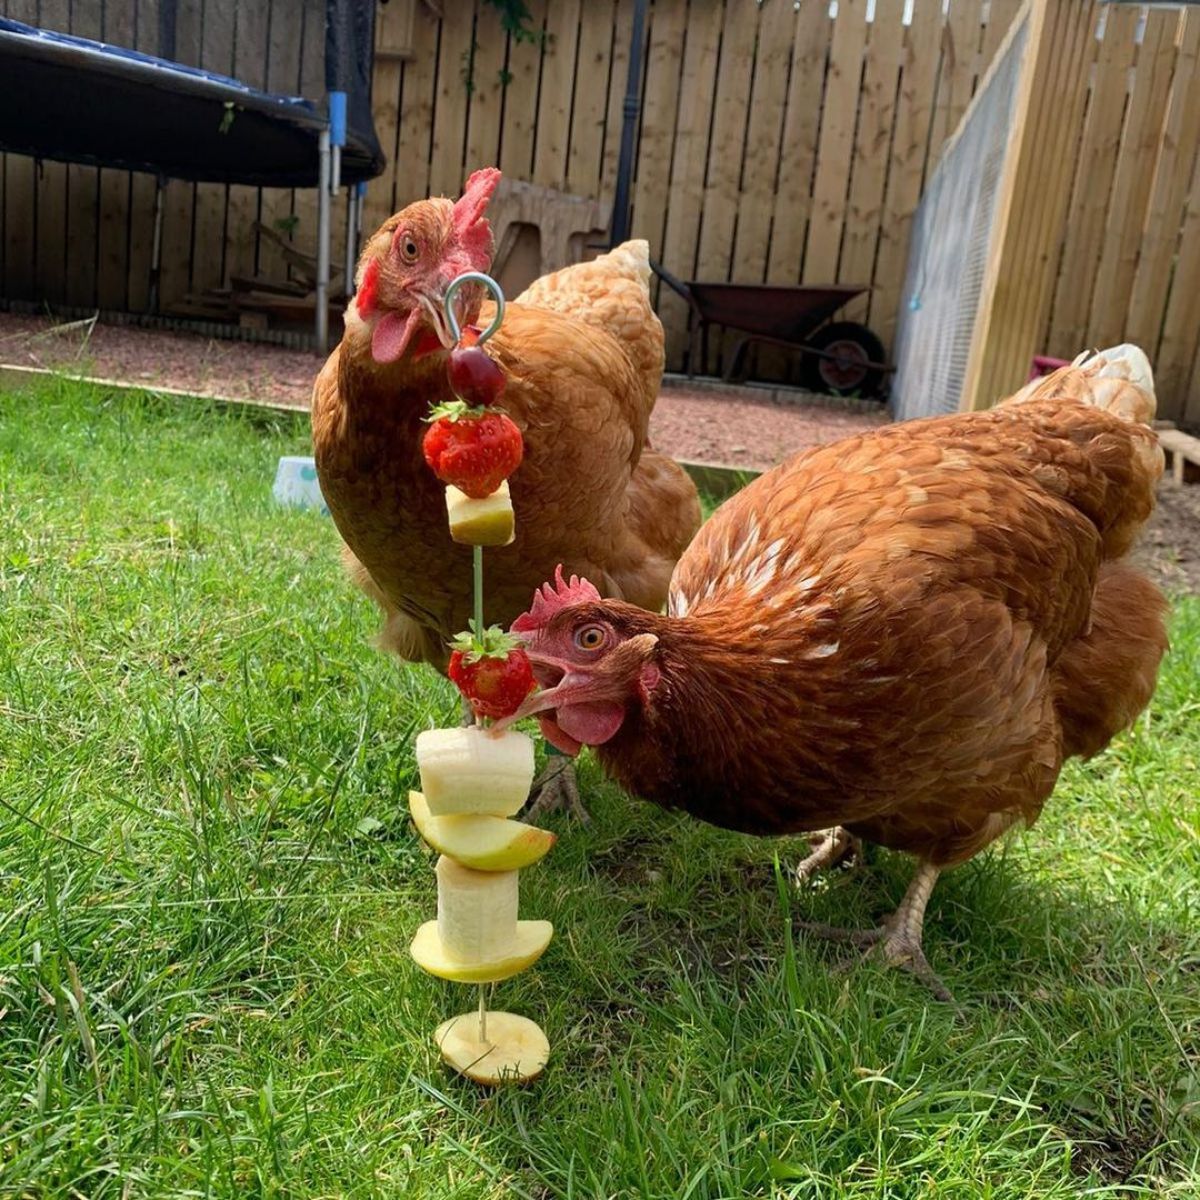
(570, 687)
(434, 304)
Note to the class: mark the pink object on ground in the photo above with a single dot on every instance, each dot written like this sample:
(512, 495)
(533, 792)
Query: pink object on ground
(1043, 364)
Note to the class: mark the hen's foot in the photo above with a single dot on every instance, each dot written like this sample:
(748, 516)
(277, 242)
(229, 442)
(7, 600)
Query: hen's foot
(829, 847)
(556, 790)
(898, 939)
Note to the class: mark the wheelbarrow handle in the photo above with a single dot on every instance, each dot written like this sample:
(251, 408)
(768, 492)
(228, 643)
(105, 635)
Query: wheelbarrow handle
(672, 281)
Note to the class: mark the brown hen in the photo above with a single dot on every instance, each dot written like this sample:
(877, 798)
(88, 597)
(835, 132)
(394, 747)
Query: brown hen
(901, 635)
(582, 351)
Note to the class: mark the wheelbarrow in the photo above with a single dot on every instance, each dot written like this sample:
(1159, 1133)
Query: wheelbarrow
(842, 357)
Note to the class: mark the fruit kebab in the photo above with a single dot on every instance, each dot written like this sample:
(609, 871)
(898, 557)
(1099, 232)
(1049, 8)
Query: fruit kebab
(474, 779)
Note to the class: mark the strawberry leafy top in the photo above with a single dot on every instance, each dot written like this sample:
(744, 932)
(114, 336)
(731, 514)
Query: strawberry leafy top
(493, 643)
(455, 410)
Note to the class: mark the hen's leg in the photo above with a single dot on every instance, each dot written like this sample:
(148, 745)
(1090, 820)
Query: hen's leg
(899, 937)
(829, 847)
(556, 790)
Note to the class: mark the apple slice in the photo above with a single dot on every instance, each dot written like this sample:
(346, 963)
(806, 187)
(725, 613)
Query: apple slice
(524, 949)
(473, 771)
(515, 1050)
(486, 522)
(480, 842)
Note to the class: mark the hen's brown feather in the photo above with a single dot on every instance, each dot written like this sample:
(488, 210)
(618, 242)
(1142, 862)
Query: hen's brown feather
(905, 633)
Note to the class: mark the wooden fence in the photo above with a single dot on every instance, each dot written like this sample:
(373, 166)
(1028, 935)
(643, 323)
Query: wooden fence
(1128, 265)
(776, 142)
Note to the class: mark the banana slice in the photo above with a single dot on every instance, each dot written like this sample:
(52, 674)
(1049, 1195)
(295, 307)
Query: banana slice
(476, 911)
(473, 771)
(482, 843)
(515, 1051)
(486, 522)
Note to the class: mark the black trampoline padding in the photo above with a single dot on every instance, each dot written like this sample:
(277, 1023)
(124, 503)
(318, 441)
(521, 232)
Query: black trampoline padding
(75, 100)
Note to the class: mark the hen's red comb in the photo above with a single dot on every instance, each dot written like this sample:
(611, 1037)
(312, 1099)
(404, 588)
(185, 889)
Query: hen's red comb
(547, 600)
(477, 191)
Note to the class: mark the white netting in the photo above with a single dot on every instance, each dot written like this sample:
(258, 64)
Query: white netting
(949, 249)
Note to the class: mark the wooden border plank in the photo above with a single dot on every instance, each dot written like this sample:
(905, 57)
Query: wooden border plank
(1134, 178)
(660, 105)
(1032, 201)
(801, 134)
(618, 79)
(1177, 384)
(914, 112)
(1172, 172)
(558, 84)
(723, 182)
(764, 136)
(519, 132)
(689, 161)
(487, 91)
(453, 100)
(835, 152)
(872, 146)
(1096, 168)
(591, 96)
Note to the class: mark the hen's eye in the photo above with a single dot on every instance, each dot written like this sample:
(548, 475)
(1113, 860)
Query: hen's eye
(408, 250)
(590, 637)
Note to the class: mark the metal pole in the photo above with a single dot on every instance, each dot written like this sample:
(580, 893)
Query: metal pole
(633, 84)
(160, 188)
(351, 237)
(323, 200)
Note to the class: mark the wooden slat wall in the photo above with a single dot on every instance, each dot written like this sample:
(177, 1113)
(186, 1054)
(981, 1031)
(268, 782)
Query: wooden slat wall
(1034, 193)
(776, 143)
(1129, 262)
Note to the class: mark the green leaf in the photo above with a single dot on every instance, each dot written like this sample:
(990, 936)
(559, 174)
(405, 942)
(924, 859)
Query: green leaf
(455, 410)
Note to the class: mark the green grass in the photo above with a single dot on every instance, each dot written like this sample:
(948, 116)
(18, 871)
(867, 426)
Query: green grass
(207, 887)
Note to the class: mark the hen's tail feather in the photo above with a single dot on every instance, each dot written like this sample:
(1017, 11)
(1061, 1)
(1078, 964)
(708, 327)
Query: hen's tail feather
(1118, 380)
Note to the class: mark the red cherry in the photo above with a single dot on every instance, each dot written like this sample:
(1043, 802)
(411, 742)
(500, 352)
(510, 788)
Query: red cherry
(474, 375)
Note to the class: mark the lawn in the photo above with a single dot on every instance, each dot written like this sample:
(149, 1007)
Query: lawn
(208, 884)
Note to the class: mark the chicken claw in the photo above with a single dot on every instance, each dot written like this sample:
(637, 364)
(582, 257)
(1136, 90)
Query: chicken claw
(899, 937)
(556, 790)
(829, 847)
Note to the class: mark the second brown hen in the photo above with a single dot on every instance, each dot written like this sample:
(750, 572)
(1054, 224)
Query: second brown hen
(901, 636)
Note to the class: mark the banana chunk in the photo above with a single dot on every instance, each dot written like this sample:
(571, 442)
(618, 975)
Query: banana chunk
(476, 911)
(472, 771)
(486, 522)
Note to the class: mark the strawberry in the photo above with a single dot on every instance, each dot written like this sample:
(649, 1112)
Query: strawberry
(492, 671)
(474, 377)
(475, 449)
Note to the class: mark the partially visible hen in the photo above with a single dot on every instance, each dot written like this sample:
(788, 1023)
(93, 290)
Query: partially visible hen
(902, 635)
(582, 351)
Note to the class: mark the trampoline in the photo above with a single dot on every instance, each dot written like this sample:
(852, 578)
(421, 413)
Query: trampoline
(174, 121)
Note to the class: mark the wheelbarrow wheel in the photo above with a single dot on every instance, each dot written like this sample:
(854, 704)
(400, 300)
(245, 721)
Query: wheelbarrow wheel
(847, 373)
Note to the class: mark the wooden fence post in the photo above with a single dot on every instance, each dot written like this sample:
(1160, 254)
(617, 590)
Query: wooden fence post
(1035, 188)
